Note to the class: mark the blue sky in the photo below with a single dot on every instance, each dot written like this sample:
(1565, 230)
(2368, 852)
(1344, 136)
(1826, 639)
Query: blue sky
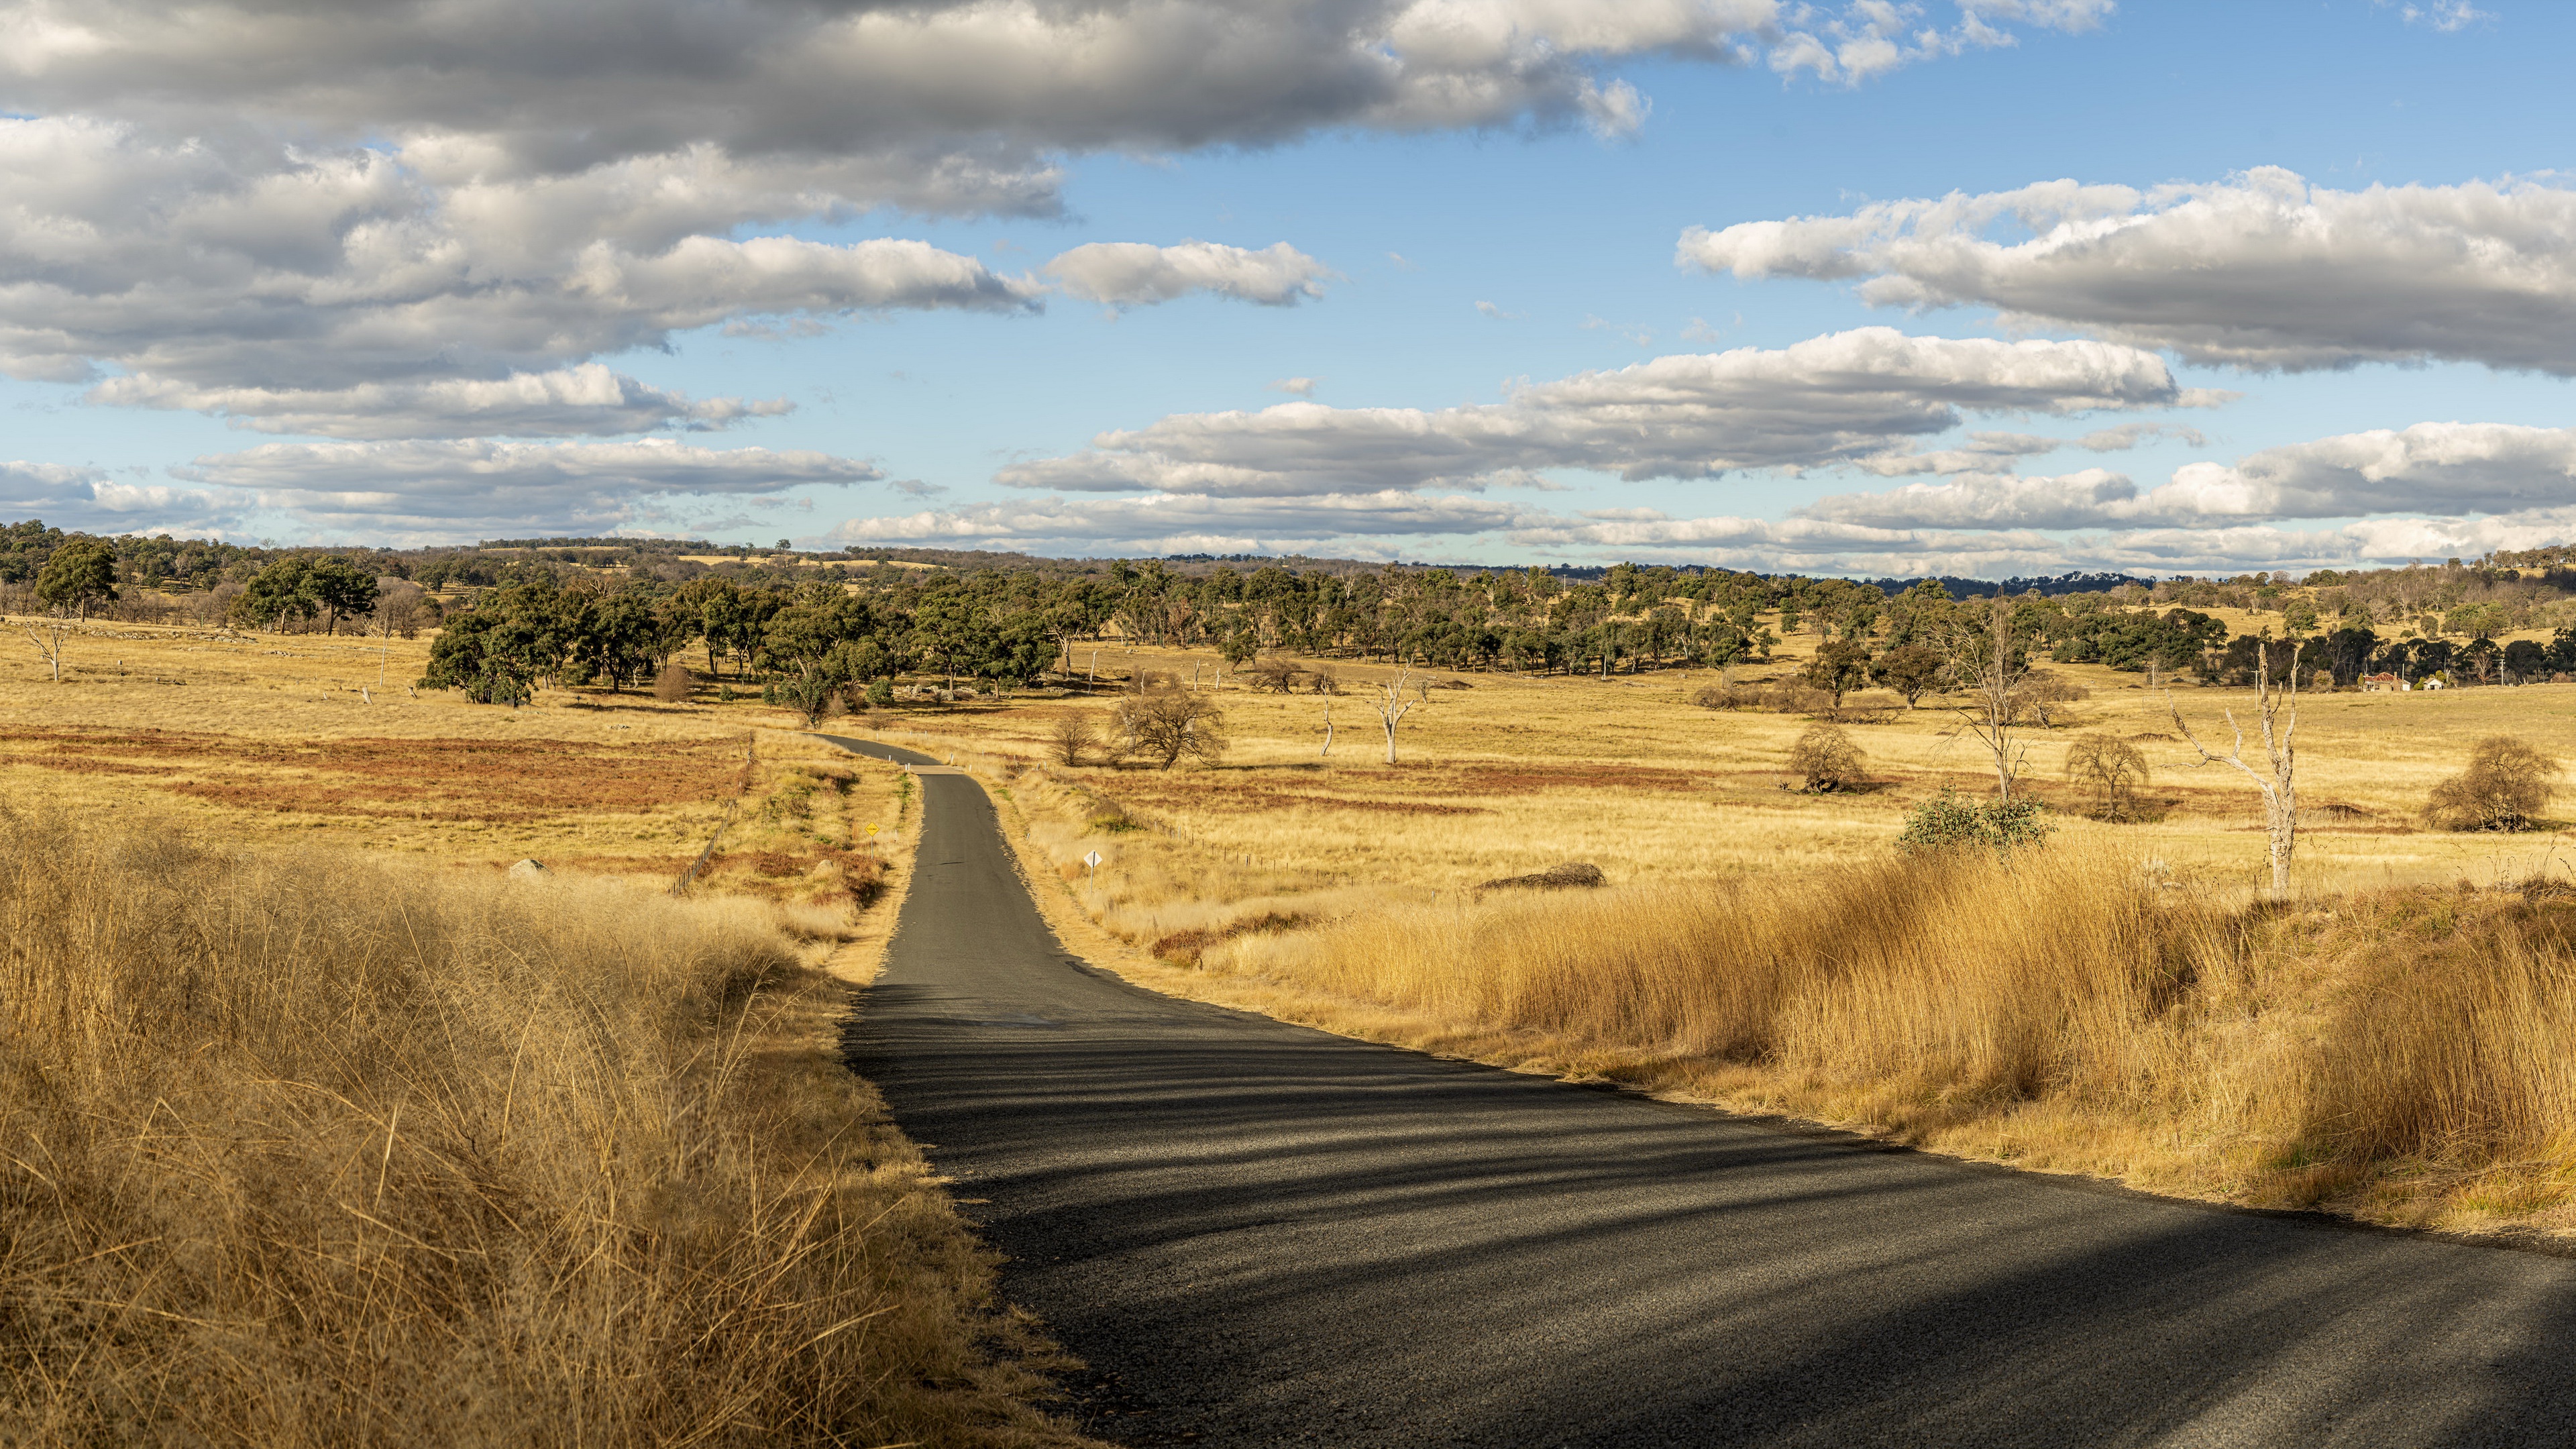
(1498, 277)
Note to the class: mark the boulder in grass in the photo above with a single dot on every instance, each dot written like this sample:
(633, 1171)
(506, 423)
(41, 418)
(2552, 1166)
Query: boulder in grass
(1571, 875)
(527, 870)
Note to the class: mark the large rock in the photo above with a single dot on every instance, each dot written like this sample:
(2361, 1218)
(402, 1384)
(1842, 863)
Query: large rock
(532, 869)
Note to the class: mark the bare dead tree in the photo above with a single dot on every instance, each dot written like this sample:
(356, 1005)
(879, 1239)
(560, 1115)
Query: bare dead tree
(48, 639)
(2278, 707)
(1393, 707)
(1995, 672)
(1328, 727)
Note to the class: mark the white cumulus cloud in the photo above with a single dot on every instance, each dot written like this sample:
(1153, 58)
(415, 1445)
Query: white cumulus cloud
(2459, 469)
(588, 399)
(1844, 398)
(1130, 274)
(2262, 270)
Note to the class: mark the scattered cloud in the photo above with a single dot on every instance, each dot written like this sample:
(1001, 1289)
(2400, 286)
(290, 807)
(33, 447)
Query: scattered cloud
(1392, 524)
(1861, 42)
(2447, 16)
(1185, 524)
(1986, 451)
(1403, 262)
(1839, 399)
(1635, 334)
(1295, 386)
(418, 488)
(1488, 309)
(586, 400)
(2261, 270)
(1132, 274)
(2460, 469)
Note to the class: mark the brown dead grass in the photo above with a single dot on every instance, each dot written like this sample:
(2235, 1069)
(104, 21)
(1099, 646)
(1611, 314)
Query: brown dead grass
(301, 1150)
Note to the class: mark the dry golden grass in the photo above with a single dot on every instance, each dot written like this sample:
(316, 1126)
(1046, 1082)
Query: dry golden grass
(1515, 774)
(286, 739)
(1767, 950)
(306, 1150)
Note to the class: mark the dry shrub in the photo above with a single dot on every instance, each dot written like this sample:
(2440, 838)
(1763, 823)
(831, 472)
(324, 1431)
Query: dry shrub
(2112, 769)
(673, 684)
(1826, 760)
(1776, 698)
(2041, 697)
(1165, 724)
(1797, 699)
(1073, 739)
(303, 1151)
(1272, 673)
(2506, 786)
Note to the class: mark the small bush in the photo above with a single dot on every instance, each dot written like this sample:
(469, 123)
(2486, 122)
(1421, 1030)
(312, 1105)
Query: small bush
(2113, 769)
(1074, 738)
(1798, 699)
(1273, 673)
(2506, 786)
(2042, 697)
(1947, 822)
(672, 685)
(1826, 759)
(1165, 724)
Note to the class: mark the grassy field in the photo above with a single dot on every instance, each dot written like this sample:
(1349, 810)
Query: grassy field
(1337, 890)
(1513, 774)
(2389, 1044)
(316, 1128)
(270, 739)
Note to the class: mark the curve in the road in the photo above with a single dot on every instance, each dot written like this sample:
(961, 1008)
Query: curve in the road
(1258, 1234)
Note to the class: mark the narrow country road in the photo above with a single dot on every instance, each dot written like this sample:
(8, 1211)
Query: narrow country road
(1261, 1235)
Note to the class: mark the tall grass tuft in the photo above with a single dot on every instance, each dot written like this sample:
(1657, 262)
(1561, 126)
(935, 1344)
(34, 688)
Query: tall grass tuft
(1950, 969)
(296, 1150)
(2415, 1043)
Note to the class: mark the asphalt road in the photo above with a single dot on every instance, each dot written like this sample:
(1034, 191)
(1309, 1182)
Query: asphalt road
(1258, 1234)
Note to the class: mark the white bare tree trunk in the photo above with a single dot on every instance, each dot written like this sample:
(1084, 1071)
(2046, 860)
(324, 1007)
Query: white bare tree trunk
(1328, 726)
(1392, 709)
(52, 651)
(2279, 713)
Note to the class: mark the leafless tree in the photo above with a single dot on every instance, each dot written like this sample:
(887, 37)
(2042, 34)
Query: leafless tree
(1165, 724)
(398, 607)
(48, 639)
(2041, 690)
(1075, 737)
(1393, 707)
(1328, 728)
(2112, 767)
(2278, 706)
(2506, 786)
(1993, 670)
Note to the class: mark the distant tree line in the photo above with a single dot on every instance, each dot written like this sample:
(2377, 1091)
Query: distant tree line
(614, 611)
